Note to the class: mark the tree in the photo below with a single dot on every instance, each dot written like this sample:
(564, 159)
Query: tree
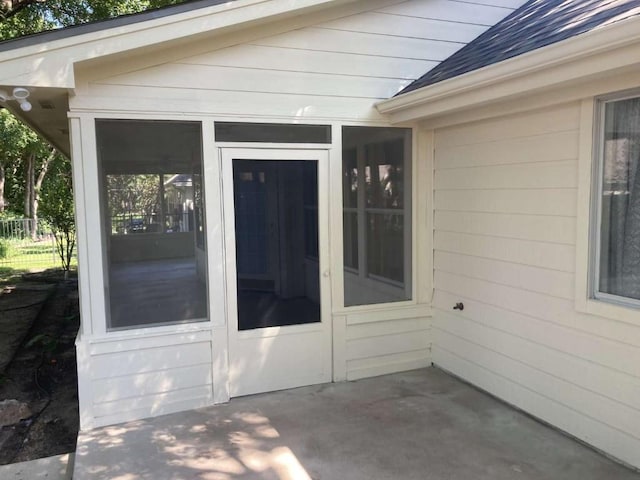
(36, 167)
(25, 159)
(24, 163)
(8, 8)
(57, 210)
(132, 196)
(11, 146)
(17, 143)
(23, 17)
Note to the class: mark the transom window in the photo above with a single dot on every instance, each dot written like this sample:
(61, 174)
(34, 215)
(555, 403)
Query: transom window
(617, 252)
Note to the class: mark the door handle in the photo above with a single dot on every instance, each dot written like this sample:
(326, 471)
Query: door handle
(326, 273)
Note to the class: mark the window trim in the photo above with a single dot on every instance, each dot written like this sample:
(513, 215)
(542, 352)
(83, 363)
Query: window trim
(102, 324)
(588, 216)
(361, 211)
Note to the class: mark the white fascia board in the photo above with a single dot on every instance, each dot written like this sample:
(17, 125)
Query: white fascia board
(608, 49)
(50, 64)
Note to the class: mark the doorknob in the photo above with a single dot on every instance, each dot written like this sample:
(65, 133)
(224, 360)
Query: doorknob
(326, 273)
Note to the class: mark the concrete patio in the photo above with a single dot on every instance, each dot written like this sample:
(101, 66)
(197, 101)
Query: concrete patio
(423, 424)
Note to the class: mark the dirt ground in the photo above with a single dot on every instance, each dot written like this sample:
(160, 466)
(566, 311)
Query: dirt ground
(42, 376)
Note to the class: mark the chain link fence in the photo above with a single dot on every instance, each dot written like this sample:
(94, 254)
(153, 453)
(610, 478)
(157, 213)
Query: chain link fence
(25, 246)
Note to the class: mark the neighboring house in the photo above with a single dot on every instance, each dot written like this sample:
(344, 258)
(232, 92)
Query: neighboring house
(337, 223)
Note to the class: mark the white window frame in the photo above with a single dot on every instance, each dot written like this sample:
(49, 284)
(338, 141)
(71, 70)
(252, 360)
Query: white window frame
(361, 211)
(590, 167)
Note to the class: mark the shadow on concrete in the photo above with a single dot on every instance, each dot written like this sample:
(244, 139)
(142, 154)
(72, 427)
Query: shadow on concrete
(422, 425)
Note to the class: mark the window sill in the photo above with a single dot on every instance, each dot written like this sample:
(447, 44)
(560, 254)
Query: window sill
(601, 308)
(383, 312)
(149, 332)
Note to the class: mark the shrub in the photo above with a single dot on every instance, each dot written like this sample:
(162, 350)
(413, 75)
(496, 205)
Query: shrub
(5, 249)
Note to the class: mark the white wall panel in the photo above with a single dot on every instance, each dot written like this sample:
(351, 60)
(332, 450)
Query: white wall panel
(562, 145)
(548, 201)
(505, 236)
(541, 122)
(539, 404)
(335, 69)
(525, 277)
(454, 11)
(286, 59)
(560, 174)
(379, 344)
(149, 359)
(587, 346)
(131, 376)
(329, 71)
(359, 43)
(553, 256)
(410, 26)
(543, 228)
(205, 77)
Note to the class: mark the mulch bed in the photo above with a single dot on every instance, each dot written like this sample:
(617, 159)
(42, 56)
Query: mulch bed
(42, 378)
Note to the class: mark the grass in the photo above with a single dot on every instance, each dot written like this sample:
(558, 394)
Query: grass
(29, 257)
(32, 255)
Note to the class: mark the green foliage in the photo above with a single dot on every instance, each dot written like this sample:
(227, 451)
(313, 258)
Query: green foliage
(15, 138)
(9, 215)
(57, 209)
(5, 249)
(50, 14)
(133, 196)
(18, 143)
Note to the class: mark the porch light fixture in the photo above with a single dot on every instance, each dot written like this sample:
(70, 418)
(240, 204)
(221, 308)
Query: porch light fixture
(20, 95)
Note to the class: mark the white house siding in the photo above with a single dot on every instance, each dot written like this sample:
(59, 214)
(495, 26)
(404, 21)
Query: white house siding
(334, 70)
(505, 239)
(386, 342)
(125, 379)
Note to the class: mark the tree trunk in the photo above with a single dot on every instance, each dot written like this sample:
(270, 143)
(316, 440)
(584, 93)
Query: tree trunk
(28, 188)
(36, 191)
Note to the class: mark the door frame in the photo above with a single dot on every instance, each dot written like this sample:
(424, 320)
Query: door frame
(321, 156)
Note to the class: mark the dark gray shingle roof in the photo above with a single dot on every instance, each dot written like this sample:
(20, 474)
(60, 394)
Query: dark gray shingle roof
(536, 24)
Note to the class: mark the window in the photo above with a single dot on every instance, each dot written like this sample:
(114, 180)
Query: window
(617, 256)
(376, 215)
(272, 132)
(153, 217)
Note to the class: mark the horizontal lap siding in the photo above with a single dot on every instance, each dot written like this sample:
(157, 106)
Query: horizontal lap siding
(133, 379)
(333, 70)
(386, 346)
(325, 71)
(504, 235)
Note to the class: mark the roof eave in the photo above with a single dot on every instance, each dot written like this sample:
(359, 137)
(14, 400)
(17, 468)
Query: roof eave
(60, 146)
(603, 50)
(51, 63)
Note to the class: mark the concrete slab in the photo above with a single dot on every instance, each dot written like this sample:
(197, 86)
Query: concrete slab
(58, 467)
(421, 425)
